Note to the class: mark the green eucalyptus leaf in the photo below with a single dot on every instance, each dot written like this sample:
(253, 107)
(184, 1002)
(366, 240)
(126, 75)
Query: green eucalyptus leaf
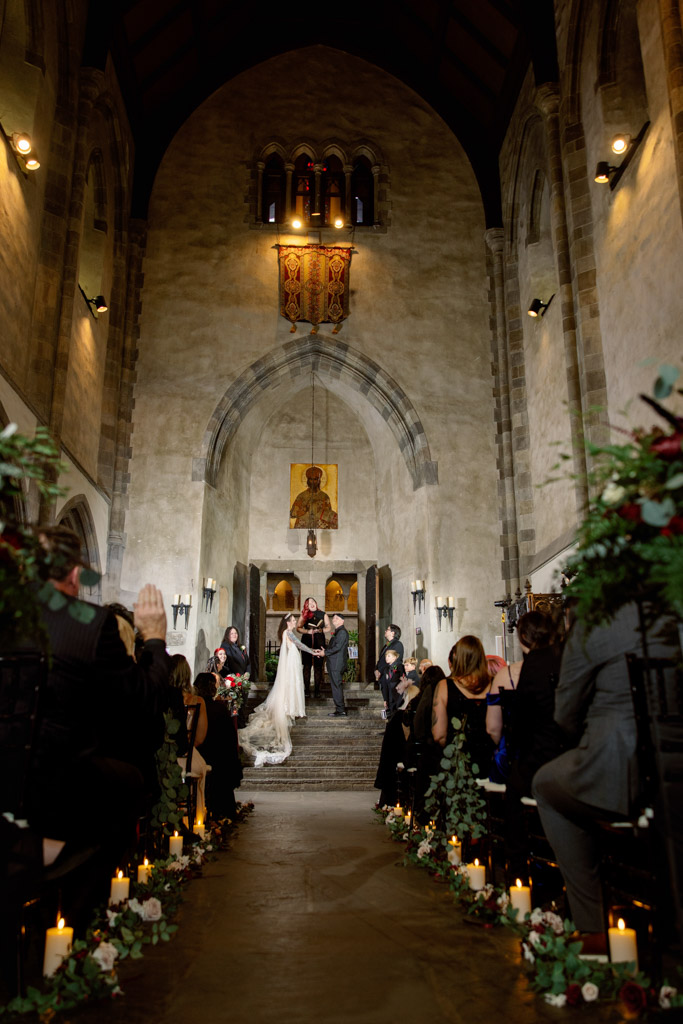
(82, 612)
(656, 513)
(56, 600)
(668, 375)
(674, 482)
(89, 577)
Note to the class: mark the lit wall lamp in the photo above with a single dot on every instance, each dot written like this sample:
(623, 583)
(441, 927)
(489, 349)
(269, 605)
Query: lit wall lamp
(181, 607)
(99, 303)
(537, 307)
(208, 592)
(21, 144)
(444, 606)
(417, 589)
(296, 223)
(605, 172)
(311, 544)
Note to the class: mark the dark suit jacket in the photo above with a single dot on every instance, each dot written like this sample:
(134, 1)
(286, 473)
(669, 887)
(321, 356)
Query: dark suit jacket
(397, 646)
(236, 660)
(337, 650)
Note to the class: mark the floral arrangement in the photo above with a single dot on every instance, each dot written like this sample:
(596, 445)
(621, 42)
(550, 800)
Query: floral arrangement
(453, 797)
(235, 691)
(630, 543)
(90, 971)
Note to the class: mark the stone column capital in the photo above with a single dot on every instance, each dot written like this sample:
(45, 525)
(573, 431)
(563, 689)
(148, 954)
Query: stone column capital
(548, 98)
(495, 240)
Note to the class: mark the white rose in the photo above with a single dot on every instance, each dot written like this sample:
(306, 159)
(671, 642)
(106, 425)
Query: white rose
(152, 909)
(553, 921)
(135, 906)
(590, 992)
(106, 955)
(528, 955)
(536, 916)
(556, 1000)
(613, 493)
(666, 994)
(454, 856)
(503, 901)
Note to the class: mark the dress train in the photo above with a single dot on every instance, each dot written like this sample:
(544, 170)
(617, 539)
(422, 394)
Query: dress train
(266, 735)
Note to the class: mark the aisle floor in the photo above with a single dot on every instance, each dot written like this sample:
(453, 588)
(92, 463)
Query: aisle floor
(311, 917)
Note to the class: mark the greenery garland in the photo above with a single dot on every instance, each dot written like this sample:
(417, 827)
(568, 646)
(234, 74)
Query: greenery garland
(165, 815)
(453, 798)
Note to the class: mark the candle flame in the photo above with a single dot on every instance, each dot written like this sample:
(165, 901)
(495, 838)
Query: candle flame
(621, 924)
(519, 883)
(200, 822)
(175, 834)
(476, 863)
(119, 874)
(60, 923)
(146, 862)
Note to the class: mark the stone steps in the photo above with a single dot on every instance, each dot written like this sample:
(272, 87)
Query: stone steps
(327, 753)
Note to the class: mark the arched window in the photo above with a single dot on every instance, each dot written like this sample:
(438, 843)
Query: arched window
(303, 187)
(353, 597)
(333, 190)
(77, 516)
(283, 597)
(362, 192)
(273, 202)
(334, 597)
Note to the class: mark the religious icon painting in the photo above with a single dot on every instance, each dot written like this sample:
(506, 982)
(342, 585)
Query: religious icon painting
(313, 496)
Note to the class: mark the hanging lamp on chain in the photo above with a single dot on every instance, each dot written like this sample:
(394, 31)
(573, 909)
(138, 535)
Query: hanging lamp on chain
(311, 539)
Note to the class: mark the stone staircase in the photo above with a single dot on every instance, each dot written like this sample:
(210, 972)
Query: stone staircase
(328, 753)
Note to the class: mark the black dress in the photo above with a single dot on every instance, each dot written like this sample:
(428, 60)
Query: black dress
(478, 743)
(220, 750)
(314, 641)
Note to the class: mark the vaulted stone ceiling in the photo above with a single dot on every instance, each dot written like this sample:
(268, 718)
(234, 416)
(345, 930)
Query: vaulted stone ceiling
(467, 58)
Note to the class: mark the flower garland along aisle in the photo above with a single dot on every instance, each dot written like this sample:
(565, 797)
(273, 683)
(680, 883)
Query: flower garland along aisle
(117, 933)
(550, 951)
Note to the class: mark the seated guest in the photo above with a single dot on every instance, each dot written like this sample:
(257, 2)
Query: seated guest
(236, 656)
(220, 750)
(463, 695)
(598, 777)
(496, 664)
(180, 681)
(388, 681)
(217, 663)
(530, 733)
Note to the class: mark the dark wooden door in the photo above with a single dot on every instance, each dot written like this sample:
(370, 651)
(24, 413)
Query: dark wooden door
(370, 622)
(254, 620)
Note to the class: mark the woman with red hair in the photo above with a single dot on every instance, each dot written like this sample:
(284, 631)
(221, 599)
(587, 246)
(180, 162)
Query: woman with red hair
(311, 625)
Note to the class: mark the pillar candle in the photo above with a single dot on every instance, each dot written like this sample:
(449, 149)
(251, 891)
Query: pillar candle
(477, 873)
(175, 845)
(450, 601)
(622, 944)
(413, 585)
(398, 810)
(144, 872)
(520, 898)
(176, 599)
(455, 852)
(438, 602)
(199, 829)
(188, 598)
(57, 945)
(120, 888)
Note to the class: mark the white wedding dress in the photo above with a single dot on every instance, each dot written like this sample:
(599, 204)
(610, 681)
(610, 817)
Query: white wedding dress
(266, 735)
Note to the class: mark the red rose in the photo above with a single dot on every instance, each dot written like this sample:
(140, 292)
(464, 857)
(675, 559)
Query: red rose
(573, 994)
(630, 511)
(668, 447)
(633, 997)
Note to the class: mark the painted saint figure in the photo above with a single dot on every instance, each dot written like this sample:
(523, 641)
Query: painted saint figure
(312, 509)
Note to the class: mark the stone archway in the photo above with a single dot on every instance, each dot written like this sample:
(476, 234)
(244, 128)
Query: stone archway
(332, 361)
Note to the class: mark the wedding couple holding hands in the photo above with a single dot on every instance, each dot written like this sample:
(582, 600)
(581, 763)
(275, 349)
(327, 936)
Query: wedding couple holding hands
(267, 733)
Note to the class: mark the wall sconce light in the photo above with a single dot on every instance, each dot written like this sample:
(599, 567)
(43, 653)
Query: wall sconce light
(311, 544)
(537, 307)
(99, 303)
(181, 607)
(296, 223)
(606, 173)
(31, 162)
(208, 592)
(339, 223)
(417, 589)
(444, 606)
(21, 142)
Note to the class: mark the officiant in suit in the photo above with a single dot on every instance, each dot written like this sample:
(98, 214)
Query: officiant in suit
(336, 654)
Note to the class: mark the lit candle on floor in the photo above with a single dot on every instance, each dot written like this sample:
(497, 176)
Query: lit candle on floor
(175, 845)
(57, 945)
(199, 829)
(398, 810)
(623, 947)
(455, 852)
(477, 873)
(520, 898)
(120, 888)
(144, 872)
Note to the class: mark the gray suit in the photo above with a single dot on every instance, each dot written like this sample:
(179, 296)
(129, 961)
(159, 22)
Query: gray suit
(599, 777)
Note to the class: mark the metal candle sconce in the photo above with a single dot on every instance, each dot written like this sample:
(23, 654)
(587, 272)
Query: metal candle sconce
(417, 589)
(208, 591)
(444, 607)
(181, 607)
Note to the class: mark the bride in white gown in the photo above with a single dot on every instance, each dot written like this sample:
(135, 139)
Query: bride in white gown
(266, 734)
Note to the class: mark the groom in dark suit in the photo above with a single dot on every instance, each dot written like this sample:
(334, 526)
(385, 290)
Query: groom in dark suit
(336, 654)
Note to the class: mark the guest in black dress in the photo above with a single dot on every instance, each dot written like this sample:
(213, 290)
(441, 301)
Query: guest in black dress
(220, 750)
(236, 655)
(463, 696)
(527, 718)
(311, 625)
(392, 636)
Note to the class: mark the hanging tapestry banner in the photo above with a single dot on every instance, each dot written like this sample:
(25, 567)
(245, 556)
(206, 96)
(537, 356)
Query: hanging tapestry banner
(314, 283)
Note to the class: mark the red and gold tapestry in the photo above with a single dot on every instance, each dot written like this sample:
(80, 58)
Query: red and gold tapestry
(314, 283)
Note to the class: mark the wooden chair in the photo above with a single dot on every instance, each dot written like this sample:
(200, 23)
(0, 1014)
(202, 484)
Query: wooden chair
(191, 778)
